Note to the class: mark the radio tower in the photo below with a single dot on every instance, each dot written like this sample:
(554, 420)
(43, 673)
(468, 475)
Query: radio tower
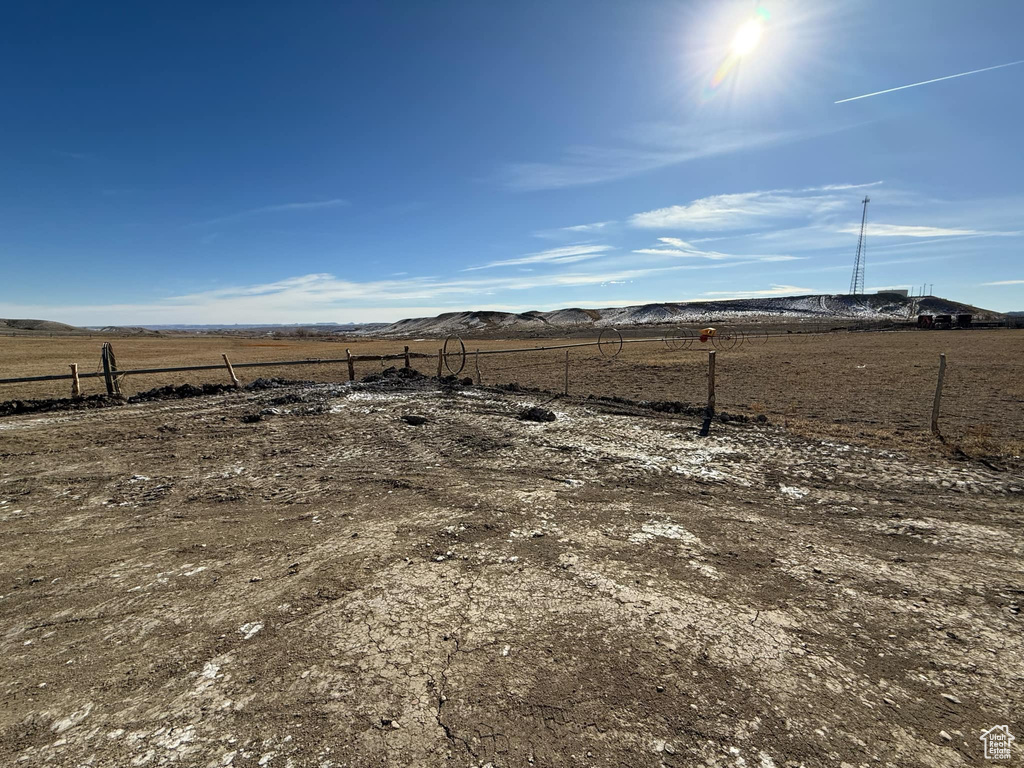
(857, 281)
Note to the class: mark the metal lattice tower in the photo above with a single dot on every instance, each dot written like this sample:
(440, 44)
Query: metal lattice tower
(857, 281)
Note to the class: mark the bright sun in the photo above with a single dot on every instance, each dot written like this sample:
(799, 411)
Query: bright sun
(747, 37)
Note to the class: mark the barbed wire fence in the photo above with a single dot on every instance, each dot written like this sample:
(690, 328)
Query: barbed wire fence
(756, 376)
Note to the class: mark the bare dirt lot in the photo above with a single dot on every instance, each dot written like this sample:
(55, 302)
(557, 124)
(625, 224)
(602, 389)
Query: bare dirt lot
(300, 577)
(874, 386)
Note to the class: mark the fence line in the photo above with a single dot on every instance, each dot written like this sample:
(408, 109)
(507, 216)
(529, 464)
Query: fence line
(217, 367)
(405, 356)
(907, 403)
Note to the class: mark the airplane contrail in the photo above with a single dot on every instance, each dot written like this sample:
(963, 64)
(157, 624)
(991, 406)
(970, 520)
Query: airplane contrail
(926, 82)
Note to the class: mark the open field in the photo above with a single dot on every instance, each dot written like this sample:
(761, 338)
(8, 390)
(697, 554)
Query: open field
(330, 586)
(855, 385)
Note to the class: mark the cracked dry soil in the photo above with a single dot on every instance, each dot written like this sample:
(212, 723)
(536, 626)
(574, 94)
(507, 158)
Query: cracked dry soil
(331, 586)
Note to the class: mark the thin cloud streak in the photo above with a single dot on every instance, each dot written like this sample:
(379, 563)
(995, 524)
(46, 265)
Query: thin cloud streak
(1006, 282)
(775, 290)
(564, 255)
(908, 230)
(927, 82)
(597, 225)
(913, 230)
(680, 249)
(591, 165)
(745, 210)
(281, 208)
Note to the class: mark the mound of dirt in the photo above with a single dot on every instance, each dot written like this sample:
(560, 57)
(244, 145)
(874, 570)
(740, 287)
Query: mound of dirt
(537, 414)
(394, 375)
(179, 392)
(17, 407)
(257, 385)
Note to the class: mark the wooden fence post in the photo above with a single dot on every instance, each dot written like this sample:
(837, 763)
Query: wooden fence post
(566, 391)
(938, 394)
(407, 357)
(106, 371)
(709, 412)
(351, 365)
(76, 387)
(440, 354)
(476, 361)
(110, 371)
(231, 372)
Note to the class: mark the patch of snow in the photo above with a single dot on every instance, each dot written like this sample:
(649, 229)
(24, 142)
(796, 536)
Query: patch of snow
(59, 726)
(250, 629)
(793, 492)
(651, 530)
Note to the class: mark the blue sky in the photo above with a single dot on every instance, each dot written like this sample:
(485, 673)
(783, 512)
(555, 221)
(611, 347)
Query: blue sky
(334, 162)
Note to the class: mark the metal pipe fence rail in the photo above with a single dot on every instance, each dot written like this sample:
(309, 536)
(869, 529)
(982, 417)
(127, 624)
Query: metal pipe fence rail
(217, 367)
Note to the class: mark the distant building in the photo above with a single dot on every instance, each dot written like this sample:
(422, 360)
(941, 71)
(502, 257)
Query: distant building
(898, 291)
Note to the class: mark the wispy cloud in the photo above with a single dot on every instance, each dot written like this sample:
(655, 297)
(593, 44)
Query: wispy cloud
(907, 230)
(775, 290)
(597, 226)
(1006, 282)
(603, 228)
(314, 205)
(683, 250)
(324, 297)
(928, 82)
(564, 255)
(745, 210)
(649, 148)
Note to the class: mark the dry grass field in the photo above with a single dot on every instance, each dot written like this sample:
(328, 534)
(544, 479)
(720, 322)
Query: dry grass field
(852, 385)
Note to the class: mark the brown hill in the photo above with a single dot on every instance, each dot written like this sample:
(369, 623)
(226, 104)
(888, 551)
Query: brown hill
(35, 327)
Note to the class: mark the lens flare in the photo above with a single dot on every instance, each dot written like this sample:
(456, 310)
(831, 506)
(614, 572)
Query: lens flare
(743, 44)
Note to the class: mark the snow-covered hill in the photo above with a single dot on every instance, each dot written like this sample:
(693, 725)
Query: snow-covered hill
(886, 306)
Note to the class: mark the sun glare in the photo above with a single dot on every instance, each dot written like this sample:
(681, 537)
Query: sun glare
(747, 37)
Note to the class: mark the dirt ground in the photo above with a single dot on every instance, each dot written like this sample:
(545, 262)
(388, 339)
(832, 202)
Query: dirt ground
(298, 577)
(847, 385)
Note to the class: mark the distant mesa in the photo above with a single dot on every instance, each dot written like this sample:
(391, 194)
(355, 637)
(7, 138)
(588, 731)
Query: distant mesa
(130, 330)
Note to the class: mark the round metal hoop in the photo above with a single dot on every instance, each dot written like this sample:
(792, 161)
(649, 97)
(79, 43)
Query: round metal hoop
(726, 341)
(458, 353)
(683, 339)
(612, 343)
